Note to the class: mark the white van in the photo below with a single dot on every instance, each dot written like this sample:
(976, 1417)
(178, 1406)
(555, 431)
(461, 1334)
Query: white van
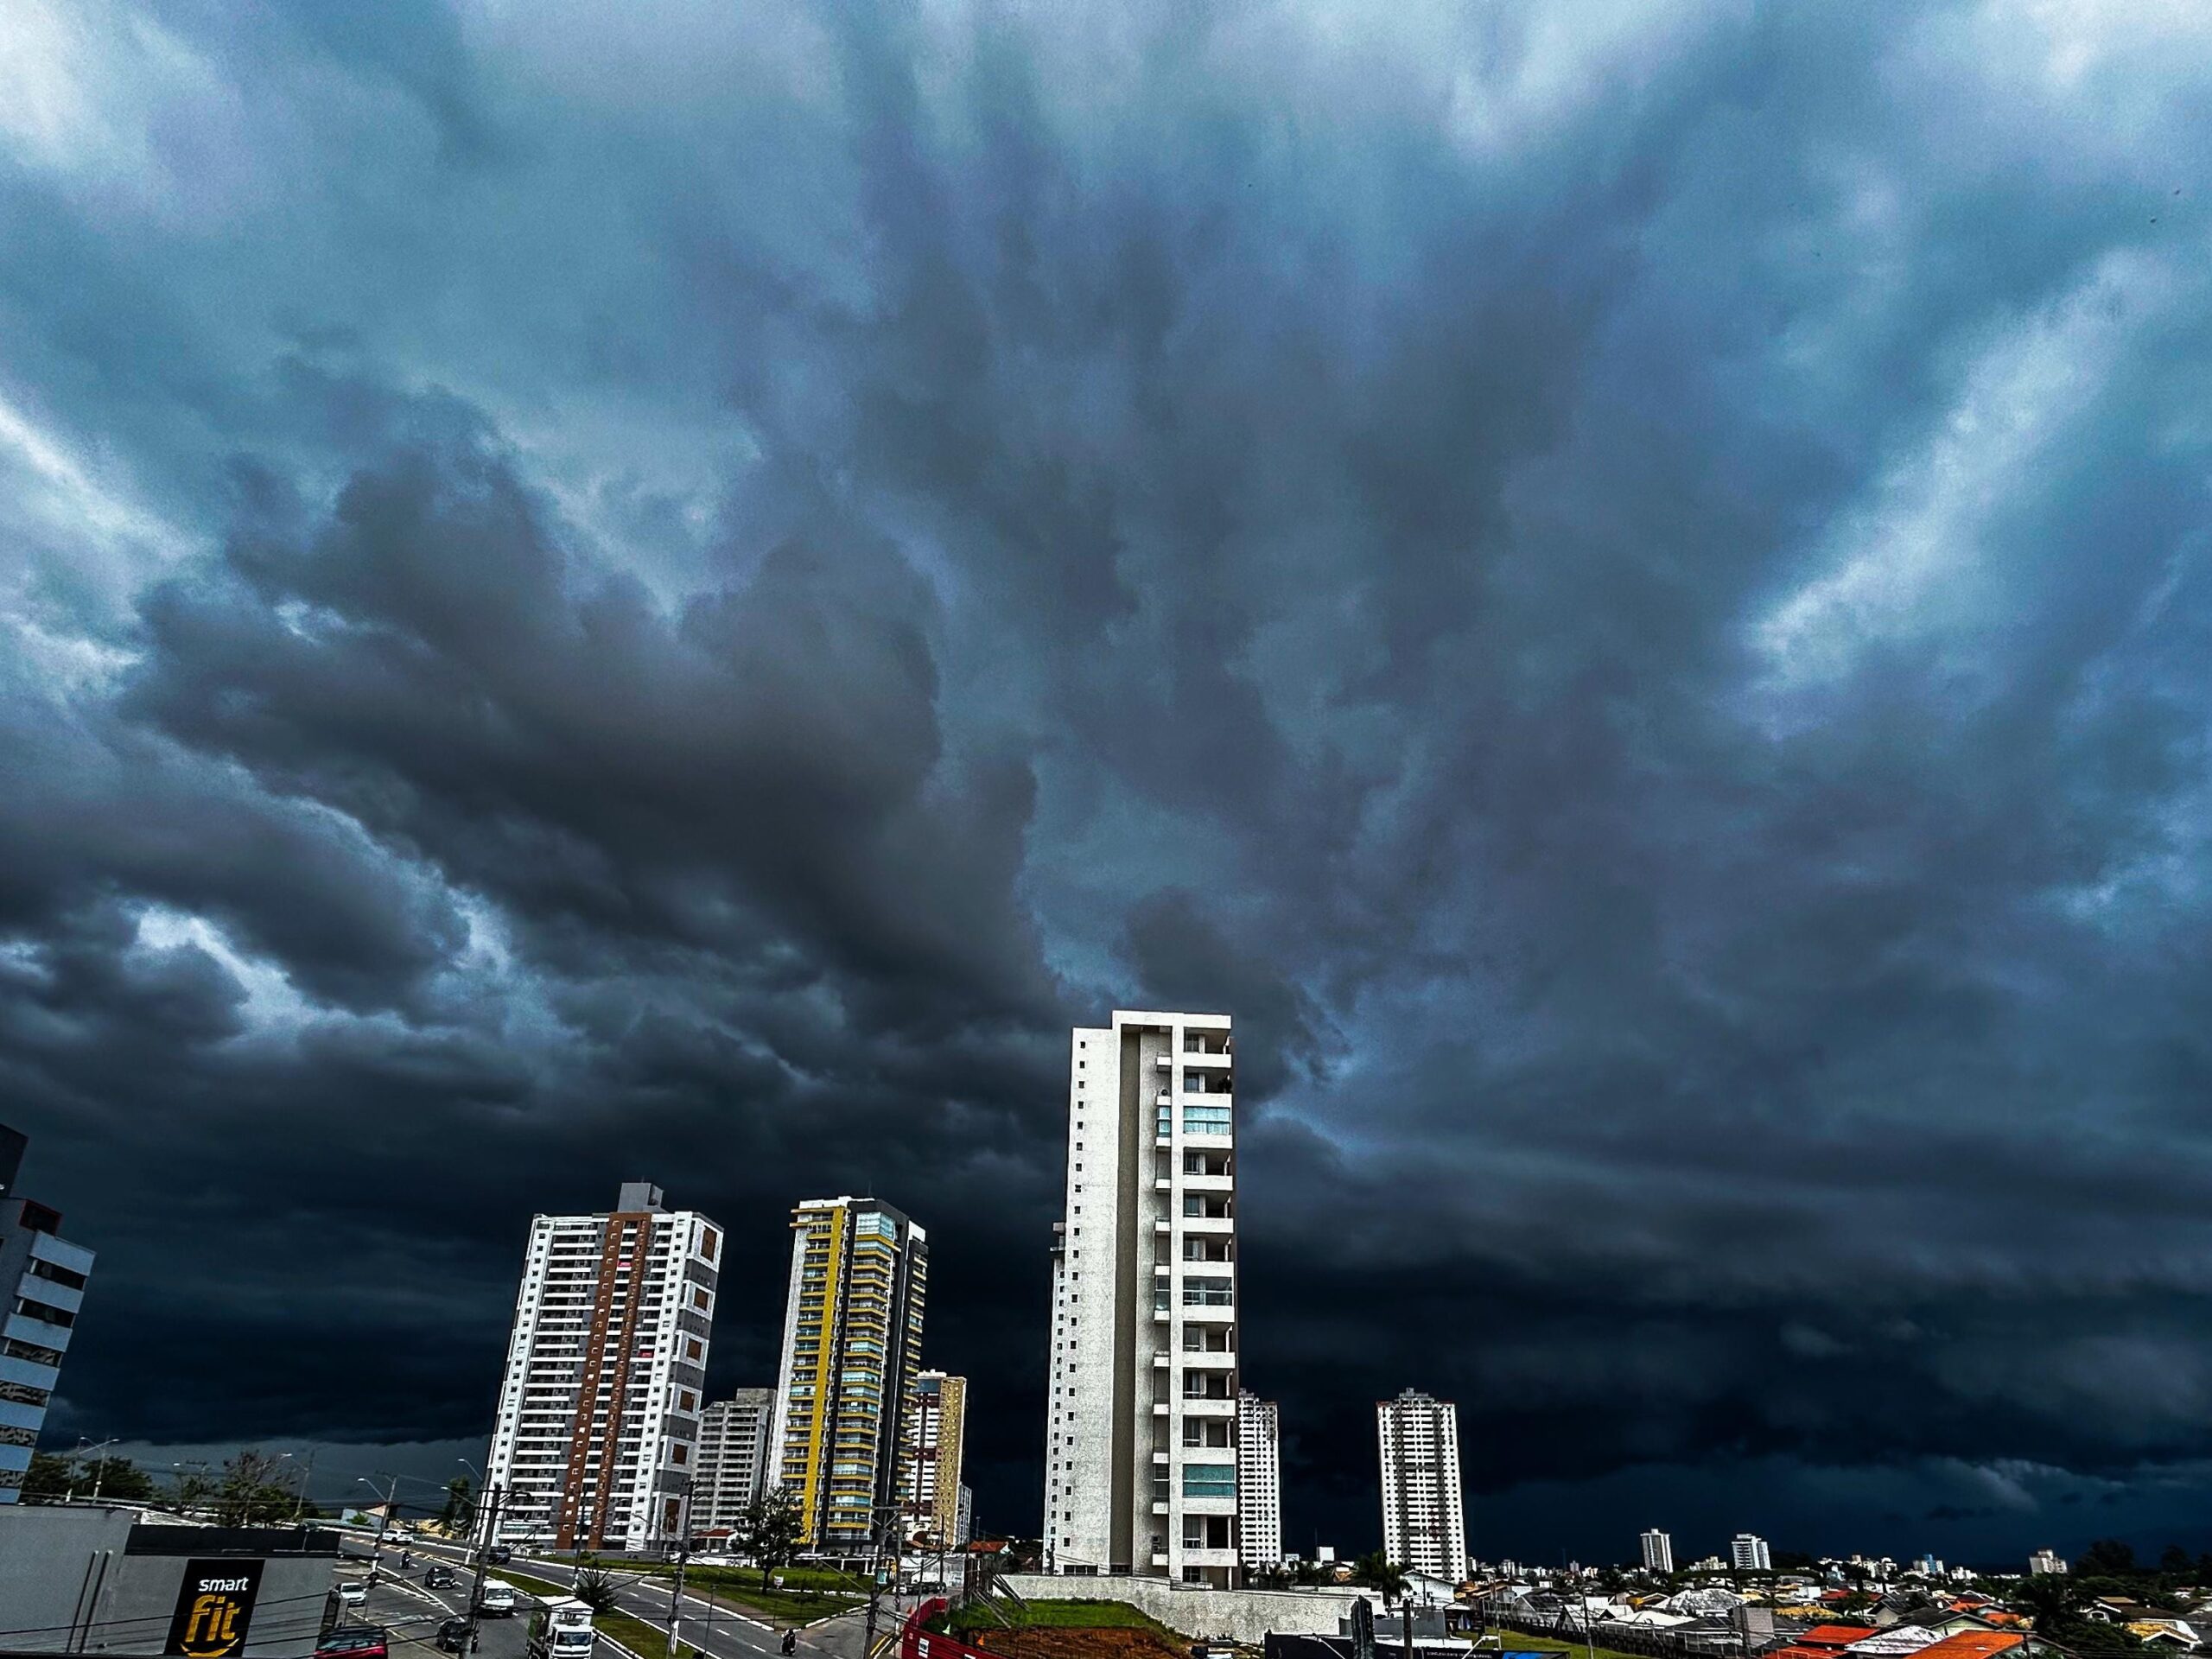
(496, 1600)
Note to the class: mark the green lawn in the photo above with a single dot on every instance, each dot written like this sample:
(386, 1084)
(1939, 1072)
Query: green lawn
(795, 1604)
(1521, 1642)
(1057, 1616)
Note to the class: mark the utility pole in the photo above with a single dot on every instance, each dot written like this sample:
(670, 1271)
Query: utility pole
(384, 1521)
(487, 1512)
(299, 1509)
(885, 1518)
(682, 1560)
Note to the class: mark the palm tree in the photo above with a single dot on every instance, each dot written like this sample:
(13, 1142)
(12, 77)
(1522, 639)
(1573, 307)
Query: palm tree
(594, 1587)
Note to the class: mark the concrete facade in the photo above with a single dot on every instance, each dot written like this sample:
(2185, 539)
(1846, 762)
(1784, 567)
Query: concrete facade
(43, 1278)
(936, 1432)
(1140, 1438)
(733, 1457)
(597, 1437)
(1259, 1482)
(852, 1349)
(1658, 1552)
(86, 1578)
(1748, 1552)
(1199, 1611)
(1424, 1517)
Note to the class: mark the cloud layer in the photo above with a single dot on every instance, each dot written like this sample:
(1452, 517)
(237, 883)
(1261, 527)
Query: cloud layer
(676, 595)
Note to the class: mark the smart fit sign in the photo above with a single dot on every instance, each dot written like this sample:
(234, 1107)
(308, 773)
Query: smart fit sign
(214, 1604)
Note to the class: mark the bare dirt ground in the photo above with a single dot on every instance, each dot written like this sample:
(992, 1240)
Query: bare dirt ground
(1077, 1644)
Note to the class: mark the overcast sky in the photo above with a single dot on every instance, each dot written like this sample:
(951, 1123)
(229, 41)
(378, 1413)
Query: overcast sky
(674, 592)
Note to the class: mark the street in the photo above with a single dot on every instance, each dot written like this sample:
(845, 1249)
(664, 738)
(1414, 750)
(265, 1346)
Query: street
(727, 1634)
(411, 1614)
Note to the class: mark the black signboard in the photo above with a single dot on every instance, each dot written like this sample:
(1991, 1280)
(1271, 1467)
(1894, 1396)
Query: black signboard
(214, 1604)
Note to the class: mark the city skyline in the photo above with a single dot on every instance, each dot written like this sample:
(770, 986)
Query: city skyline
(685, 591)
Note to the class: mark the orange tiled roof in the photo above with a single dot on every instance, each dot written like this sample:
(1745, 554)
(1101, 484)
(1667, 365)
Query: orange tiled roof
(1972, 1644)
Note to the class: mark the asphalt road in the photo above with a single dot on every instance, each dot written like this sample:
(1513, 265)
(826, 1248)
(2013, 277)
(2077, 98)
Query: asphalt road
(411, 1614)
(725, 1635)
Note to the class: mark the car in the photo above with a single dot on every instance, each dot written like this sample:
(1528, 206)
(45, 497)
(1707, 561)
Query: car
(352, 1592)
(437, 1578)
(353, 1642)
(498, 1554)
(452, 1636)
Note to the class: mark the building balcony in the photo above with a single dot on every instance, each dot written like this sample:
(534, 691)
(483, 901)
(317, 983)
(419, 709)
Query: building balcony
(28, 1374)
(38, 1332)
(1209, 1359)
(1215, 1226)
(45, 1247)
(1198, 1406)
(31, 1288)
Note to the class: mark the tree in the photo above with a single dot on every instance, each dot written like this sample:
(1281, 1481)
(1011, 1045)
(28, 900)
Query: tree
(1378, 1572)
(47, 1478)
(2047, 1595)
(769, 1530)
(460, 1513)
(249, 1494)
(2177, 1562)
(2110, 1558)
(116, 1478)
(190, 1487)
(594, 1587)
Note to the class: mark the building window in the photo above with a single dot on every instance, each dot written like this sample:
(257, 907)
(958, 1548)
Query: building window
(1209, 1480)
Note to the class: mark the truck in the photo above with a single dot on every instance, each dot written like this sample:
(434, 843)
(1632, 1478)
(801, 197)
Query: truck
(561, 1629)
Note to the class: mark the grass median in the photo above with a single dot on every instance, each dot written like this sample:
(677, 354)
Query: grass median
(1054, 1616)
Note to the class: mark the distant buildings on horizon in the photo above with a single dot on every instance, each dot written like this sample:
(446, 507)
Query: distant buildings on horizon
(603, 1437)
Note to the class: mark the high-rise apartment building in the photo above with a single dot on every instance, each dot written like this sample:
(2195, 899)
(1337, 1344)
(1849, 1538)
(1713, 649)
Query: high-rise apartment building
(1259, 1482)
(44, 1279)
(1141, 1444)
(852, 1347)
(1424, 1521)
(597, 1437)
(936, 1428)
(1658, 1552)
(2045, 1561)
(732, 1458)
(1749, 1554)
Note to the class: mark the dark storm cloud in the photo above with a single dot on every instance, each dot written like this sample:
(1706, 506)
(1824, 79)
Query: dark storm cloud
(677, 599)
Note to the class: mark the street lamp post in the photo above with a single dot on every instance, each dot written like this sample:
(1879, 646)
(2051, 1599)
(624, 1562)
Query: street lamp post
(99, 1469)
(384, 1517)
